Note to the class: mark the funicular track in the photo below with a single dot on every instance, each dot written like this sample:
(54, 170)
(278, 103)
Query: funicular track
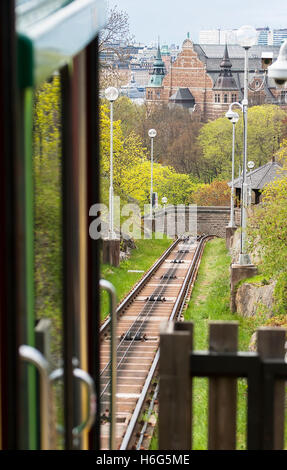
(159, 296)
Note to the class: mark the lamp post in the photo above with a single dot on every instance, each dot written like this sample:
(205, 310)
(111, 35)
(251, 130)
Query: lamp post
(164, 201)
(111, 94)
(234, 119)
(246, 37)
(152, 135)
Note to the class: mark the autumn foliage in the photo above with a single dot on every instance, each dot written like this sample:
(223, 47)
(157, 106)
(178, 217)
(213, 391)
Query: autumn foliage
(215, 194)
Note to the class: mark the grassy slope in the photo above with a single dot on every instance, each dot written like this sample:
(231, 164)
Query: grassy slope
(210, 301)
(142, 258)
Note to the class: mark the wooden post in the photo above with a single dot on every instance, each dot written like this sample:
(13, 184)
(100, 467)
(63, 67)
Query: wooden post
(174, 394)
(189, 327)
(111, 252)
(271, 345)
(223, 337)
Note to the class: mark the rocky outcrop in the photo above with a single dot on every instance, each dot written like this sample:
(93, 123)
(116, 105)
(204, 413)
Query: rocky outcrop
(254, 298)
(127, 245)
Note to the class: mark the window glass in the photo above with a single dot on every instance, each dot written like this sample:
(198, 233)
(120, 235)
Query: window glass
(30, 11)
(48, 225)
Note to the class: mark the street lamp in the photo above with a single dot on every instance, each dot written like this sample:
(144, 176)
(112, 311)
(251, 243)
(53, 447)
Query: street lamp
(246, 37)
(152, 135)
(233, 117)
(164, 201)
(111, 94)
(278, 70)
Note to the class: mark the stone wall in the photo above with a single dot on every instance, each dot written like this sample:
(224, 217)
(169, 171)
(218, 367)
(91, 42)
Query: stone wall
(212, 220)
(208, 220)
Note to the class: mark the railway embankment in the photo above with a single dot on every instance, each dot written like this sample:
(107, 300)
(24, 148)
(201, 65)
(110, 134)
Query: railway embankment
(254, 296)
(210, 301)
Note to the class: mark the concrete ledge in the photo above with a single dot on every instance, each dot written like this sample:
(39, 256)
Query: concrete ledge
(238, 272)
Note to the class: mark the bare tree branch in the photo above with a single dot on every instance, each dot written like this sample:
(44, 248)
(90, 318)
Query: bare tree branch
(112, 46)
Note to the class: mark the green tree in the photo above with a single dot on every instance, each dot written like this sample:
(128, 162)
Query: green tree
(265, 131)
(267, 235)
(129, 114)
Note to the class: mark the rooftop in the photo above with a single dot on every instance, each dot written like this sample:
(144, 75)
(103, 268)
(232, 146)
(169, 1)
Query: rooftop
(261, 176)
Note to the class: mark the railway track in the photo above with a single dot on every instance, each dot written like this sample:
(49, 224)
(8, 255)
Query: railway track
(159, 296)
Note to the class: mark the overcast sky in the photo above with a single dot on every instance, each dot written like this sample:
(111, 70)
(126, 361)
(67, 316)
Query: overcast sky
(172, 19)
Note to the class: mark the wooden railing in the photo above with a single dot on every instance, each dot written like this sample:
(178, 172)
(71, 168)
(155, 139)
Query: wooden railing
(265, 371)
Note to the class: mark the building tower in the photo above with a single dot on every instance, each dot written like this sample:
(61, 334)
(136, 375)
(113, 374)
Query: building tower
(225, 89)
(154, 88)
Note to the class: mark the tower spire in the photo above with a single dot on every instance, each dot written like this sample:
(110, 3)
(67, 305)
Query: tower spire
(226, 63)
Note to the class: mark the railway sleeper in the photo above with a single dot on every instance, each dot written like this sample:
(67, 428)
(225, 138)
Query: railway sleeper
(129, 336)
(183, 251)
(177, 261)
(169, 276)
(156, 298)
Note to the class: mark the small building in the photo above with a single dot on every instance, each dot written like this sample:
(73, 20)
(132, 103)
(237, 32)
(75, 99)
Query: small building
(257, 179)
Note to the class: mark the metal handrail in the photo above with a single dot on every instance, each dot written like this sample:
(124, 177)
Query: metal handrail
(91, 409)
(33, 356)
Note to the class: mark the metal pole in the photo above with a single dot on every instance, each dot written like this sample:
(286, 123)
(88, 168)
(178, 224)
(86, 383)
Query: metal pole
(244, 257)
(151, 178)
(231, 223)
(111, 224)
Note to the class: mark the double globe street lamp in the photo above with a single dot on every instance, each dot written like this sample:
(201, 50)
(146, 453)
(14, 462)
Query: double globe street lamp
(233, 117)
(111, 95)
(246, 37)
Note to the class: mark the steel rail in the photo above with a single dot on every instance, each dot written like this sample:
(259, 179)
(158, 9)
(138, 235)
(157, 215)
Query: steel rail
(175, 313)
(134, 292)
(184, 289)
(141, 318)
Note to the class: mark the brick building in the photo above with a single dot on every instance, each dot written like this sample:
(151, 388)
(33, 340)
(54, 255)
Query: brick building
(214, 75)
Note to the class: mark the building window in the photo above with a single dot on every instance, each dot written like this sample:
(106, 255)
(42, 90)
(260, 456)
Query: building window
(283, 97)
(233, 98)
(148, 95)
(217, 98)
(158, 95)
(225, 98)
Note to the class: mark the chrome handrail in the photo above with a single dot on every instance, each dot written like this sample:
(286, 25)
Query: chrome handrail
(91, 409)
(33, 356)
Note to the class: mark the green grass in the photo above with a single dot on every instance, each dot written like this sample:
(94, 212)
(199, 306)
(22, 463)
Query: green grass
(210, 302)
(141, 259)
(259, 280)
